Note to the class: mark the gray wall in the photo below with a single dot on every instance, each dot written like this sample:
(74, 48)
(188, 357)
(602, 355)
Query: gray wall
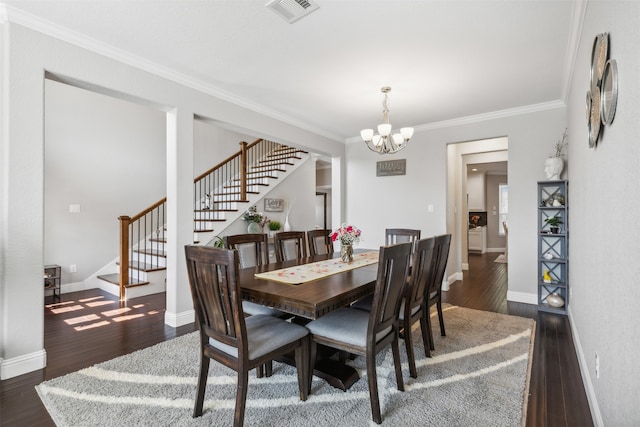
(603, 211)
(375, 203)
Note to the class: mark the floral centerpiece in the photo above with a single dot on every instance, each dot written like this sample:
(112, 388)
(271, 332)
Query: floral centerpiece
(256, 220)
(348, 235)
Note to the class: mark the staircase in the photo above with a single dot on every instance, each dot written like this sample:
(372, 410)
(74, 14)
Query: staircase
(221, 196)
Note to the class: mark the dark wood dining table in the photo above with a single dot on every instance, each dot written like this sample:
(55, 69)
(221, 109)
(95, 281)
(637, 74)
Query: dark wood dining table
(311, 300)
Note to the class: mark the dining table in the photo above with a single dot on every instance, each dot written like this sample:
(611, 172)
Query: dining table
(311, 287)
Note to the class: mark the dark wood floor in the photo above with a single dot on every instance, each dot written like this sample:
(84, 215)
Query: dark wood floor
(556, 391)
(90, 327)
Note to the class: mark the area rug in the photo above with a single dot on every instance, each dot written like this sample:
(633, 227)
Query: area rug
(478, 375)
(501, 259)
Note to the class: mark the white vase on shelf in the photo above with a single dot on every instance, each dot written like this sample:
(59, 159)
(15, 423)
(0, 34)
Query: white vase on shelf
(287, 226)
(553, 167)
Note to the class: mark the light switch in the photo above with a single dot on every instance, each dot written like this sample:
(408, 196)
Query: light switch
(430, 208)
(74, 208)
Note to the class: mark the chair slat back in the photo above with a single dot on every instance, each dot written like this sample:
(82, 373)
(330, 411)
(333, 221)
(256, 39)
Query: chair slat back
(215, 289)
(319, 242)
(290, 245)
(393, 269)
(443, 242)
(394, 236)
(423, 267)
(253, 249)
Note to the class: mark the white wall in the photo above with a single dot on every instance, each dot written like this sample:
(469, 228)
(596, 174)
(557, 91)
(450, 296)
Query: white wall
(603, 211)
(375, 203)
(22, 145)
(494, 240)
(106, 155)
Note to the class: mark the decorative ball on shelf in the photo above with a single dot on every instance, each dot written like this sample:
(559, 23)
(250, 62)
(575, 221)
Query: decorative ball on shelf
(555, 300)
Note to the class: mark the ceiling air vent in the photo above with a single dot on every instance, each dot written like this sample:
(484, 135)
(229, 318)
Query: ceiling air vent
(292, 10)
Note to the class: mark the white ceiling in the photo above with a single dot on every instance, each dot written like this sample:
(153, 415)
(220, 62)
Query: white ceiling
(445, 60)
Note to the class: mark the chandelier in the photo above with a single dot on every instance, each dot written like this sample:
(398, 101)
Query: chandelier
(384, 142)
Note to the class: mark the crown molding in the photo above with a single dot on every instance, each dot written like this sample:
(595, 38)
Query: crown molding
(16, 16)
(3, 13)
(527, 109)
(578, 13)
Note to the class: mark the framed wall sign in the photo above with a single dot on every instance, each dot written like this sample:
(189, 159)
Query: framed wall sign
(273, 205)
(391, 167)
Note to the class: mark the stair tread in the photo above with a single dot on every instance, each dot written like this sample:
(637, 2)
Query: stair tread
(233, 193)
(143, 266)
(155, 252)
(115, 279)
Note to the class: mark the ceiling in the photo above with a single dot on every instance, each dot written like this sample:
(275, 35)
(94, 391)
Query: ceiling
(489, 168)
(445, 60)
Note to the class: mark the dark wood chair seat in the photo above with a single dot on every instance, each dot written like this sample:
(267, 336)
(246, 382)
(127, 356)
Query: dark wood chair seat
(441, 252)
(414, 305)
(320, 242)
(401, 235)
(253, 250)
(368, 333)
(290, 245)
(227, 336)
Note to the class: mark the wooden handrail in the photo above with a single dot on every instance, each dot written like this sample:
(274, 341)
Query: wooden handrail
(213, 169)
(149, 209)
(225, 161)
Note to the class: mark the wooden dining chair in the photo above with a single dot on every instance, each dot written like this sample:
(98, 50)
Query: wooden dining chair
(253, 250)
(320, 242)
(434, 294)
(368, 333)
(392, 236)
(227, 336)
(290, 245)
(401, 235)
(414, 305)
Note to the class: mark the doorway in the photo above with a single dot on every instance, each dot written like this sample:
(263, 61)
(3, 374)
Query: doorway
(490, 158)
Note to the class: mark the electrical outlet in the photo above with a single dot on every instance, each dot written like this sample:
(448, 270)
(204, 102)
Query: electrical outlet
(597, 366)
(73, 268)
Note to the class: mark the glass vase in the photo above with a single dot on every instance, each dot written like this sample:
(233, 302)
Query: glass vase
(254, 228)
(346, 253)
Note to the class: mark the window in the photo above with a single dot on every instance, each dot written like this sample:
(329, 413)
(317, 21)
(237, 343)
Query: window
(503, 212)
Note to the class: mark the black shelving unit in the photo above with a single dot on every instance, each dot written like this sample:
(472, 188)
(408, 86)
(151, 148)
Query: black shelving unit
(52, 276)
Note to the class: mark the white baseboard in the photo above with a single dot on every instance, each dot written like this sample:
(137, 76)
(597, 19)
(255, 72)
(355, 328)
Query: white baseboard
(179, 319)
(586, 377)
(67, 287)
(495, 249)
(15, 366)
(465, 266)
(451, 279)
(523, 297)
